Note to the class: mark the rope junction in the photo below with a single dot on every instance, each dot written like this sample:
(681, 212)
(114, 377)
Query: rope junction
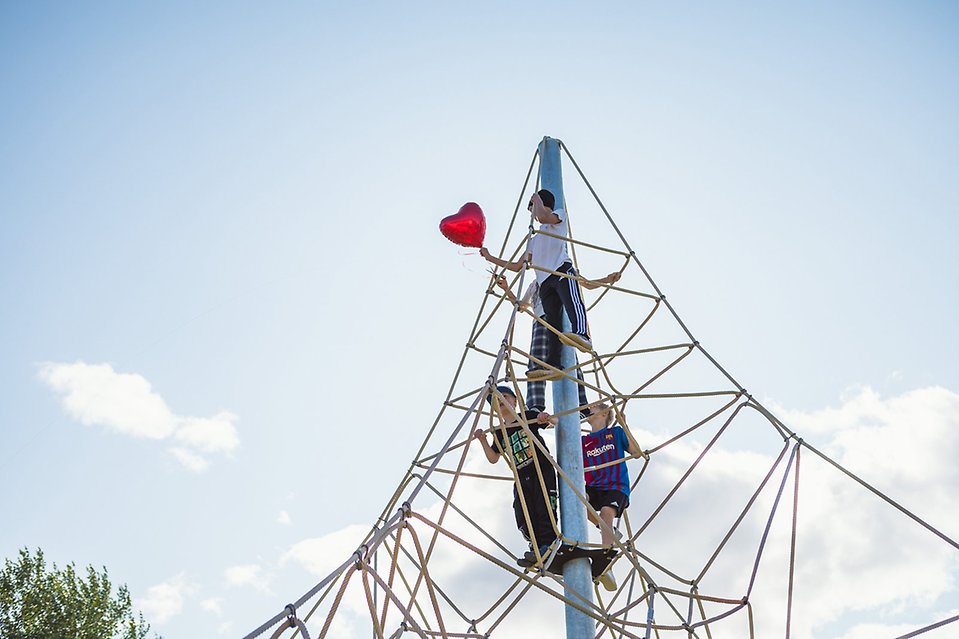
(397, 575)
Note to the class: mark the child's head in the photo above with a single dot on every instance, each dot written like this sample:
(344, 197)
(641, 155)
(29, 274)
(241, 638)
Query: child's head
(601, 416)
(507, 411)
(547, 198)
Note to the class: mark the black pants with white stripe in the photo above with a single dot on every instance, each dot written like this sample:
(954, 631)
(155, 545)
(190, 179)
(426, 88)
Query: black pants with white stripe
(558, 293)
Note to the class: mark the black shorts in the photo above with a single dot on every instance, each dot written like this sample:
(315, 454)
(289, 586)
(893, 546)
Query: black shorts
(613, 498)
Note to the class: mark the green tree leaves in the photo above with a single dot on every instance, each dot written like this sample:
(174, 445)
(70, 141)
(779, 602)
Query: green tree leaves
(37, 603)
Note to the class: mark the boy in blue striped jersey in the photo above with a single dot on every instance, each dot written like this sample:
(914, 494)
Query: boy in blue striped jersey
(607, 488)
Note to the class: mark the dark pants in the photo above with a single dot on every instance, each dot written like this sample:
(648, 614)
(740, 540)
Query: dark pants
(559, 293)
(615, 499)
(539, 507)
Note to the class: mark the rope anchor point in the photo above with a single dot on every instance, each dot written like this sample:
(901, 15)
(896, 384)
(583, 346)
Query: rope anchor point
(290, 615)
(360, 556)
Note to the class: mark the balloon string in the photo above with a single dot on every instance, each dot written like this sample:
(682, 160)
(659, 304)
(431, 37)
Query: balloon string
(467, 264)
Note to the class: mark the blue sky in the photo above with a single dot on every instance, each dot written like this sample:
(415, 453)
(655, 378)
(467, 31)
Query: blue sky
(238, 204)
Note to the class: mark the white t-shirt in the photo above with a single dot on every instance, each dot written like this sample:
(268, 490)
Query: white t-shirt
(549, 252)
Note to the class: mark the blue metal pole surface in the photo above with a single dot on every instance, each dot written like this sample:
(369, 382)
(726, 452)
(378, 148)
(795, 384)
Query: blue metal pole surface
(569, 448)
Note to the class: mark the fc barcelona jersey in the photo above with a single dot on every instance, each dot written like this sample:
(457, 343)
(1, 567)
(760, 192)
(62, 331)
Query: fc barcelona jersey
(601, 447)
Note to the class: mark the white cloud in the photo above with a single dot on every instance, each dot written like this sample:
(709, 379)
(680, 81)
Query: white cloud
(284, 518)
(190, 460)
(214, 605)
(215, 434)
(224, 628)
(865, 555)
(244, 575)
(95, 394)
(908, 441)
(165, 600)
(121, 402)
(320, 555)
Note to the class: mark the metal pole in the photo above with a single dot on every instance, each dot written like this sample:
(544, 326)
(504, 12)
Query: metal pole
(577, 575)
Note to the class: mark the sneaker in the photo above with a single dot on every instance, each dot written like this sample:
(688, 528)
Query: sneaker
(576, 340)
(607, 580)
(528, 560)
(542, 375)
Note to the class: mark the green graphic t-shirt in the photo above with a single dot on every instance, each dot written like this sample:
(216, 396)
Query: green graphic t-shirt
(513, 438)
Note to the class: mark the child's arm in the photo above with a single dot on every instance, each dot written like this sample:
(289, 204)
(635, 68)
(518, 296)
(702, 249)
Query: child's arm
(546, 419)
(610, 279)
(501, 282)
(525, 305)
(551, 218)
(510, 266)
(634, 448)
(491, 455)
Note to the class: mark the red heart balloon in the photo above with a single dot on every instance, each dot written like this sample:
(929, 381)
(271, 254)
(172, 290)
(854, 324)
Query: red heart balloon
(467, 227)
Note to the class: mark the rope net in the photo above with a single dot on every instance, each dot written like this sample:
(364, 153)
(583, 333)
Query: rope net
(441, 560)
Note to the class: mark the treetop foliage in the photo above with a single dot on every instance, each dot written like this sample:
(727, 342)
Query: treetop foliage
(41, 603)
